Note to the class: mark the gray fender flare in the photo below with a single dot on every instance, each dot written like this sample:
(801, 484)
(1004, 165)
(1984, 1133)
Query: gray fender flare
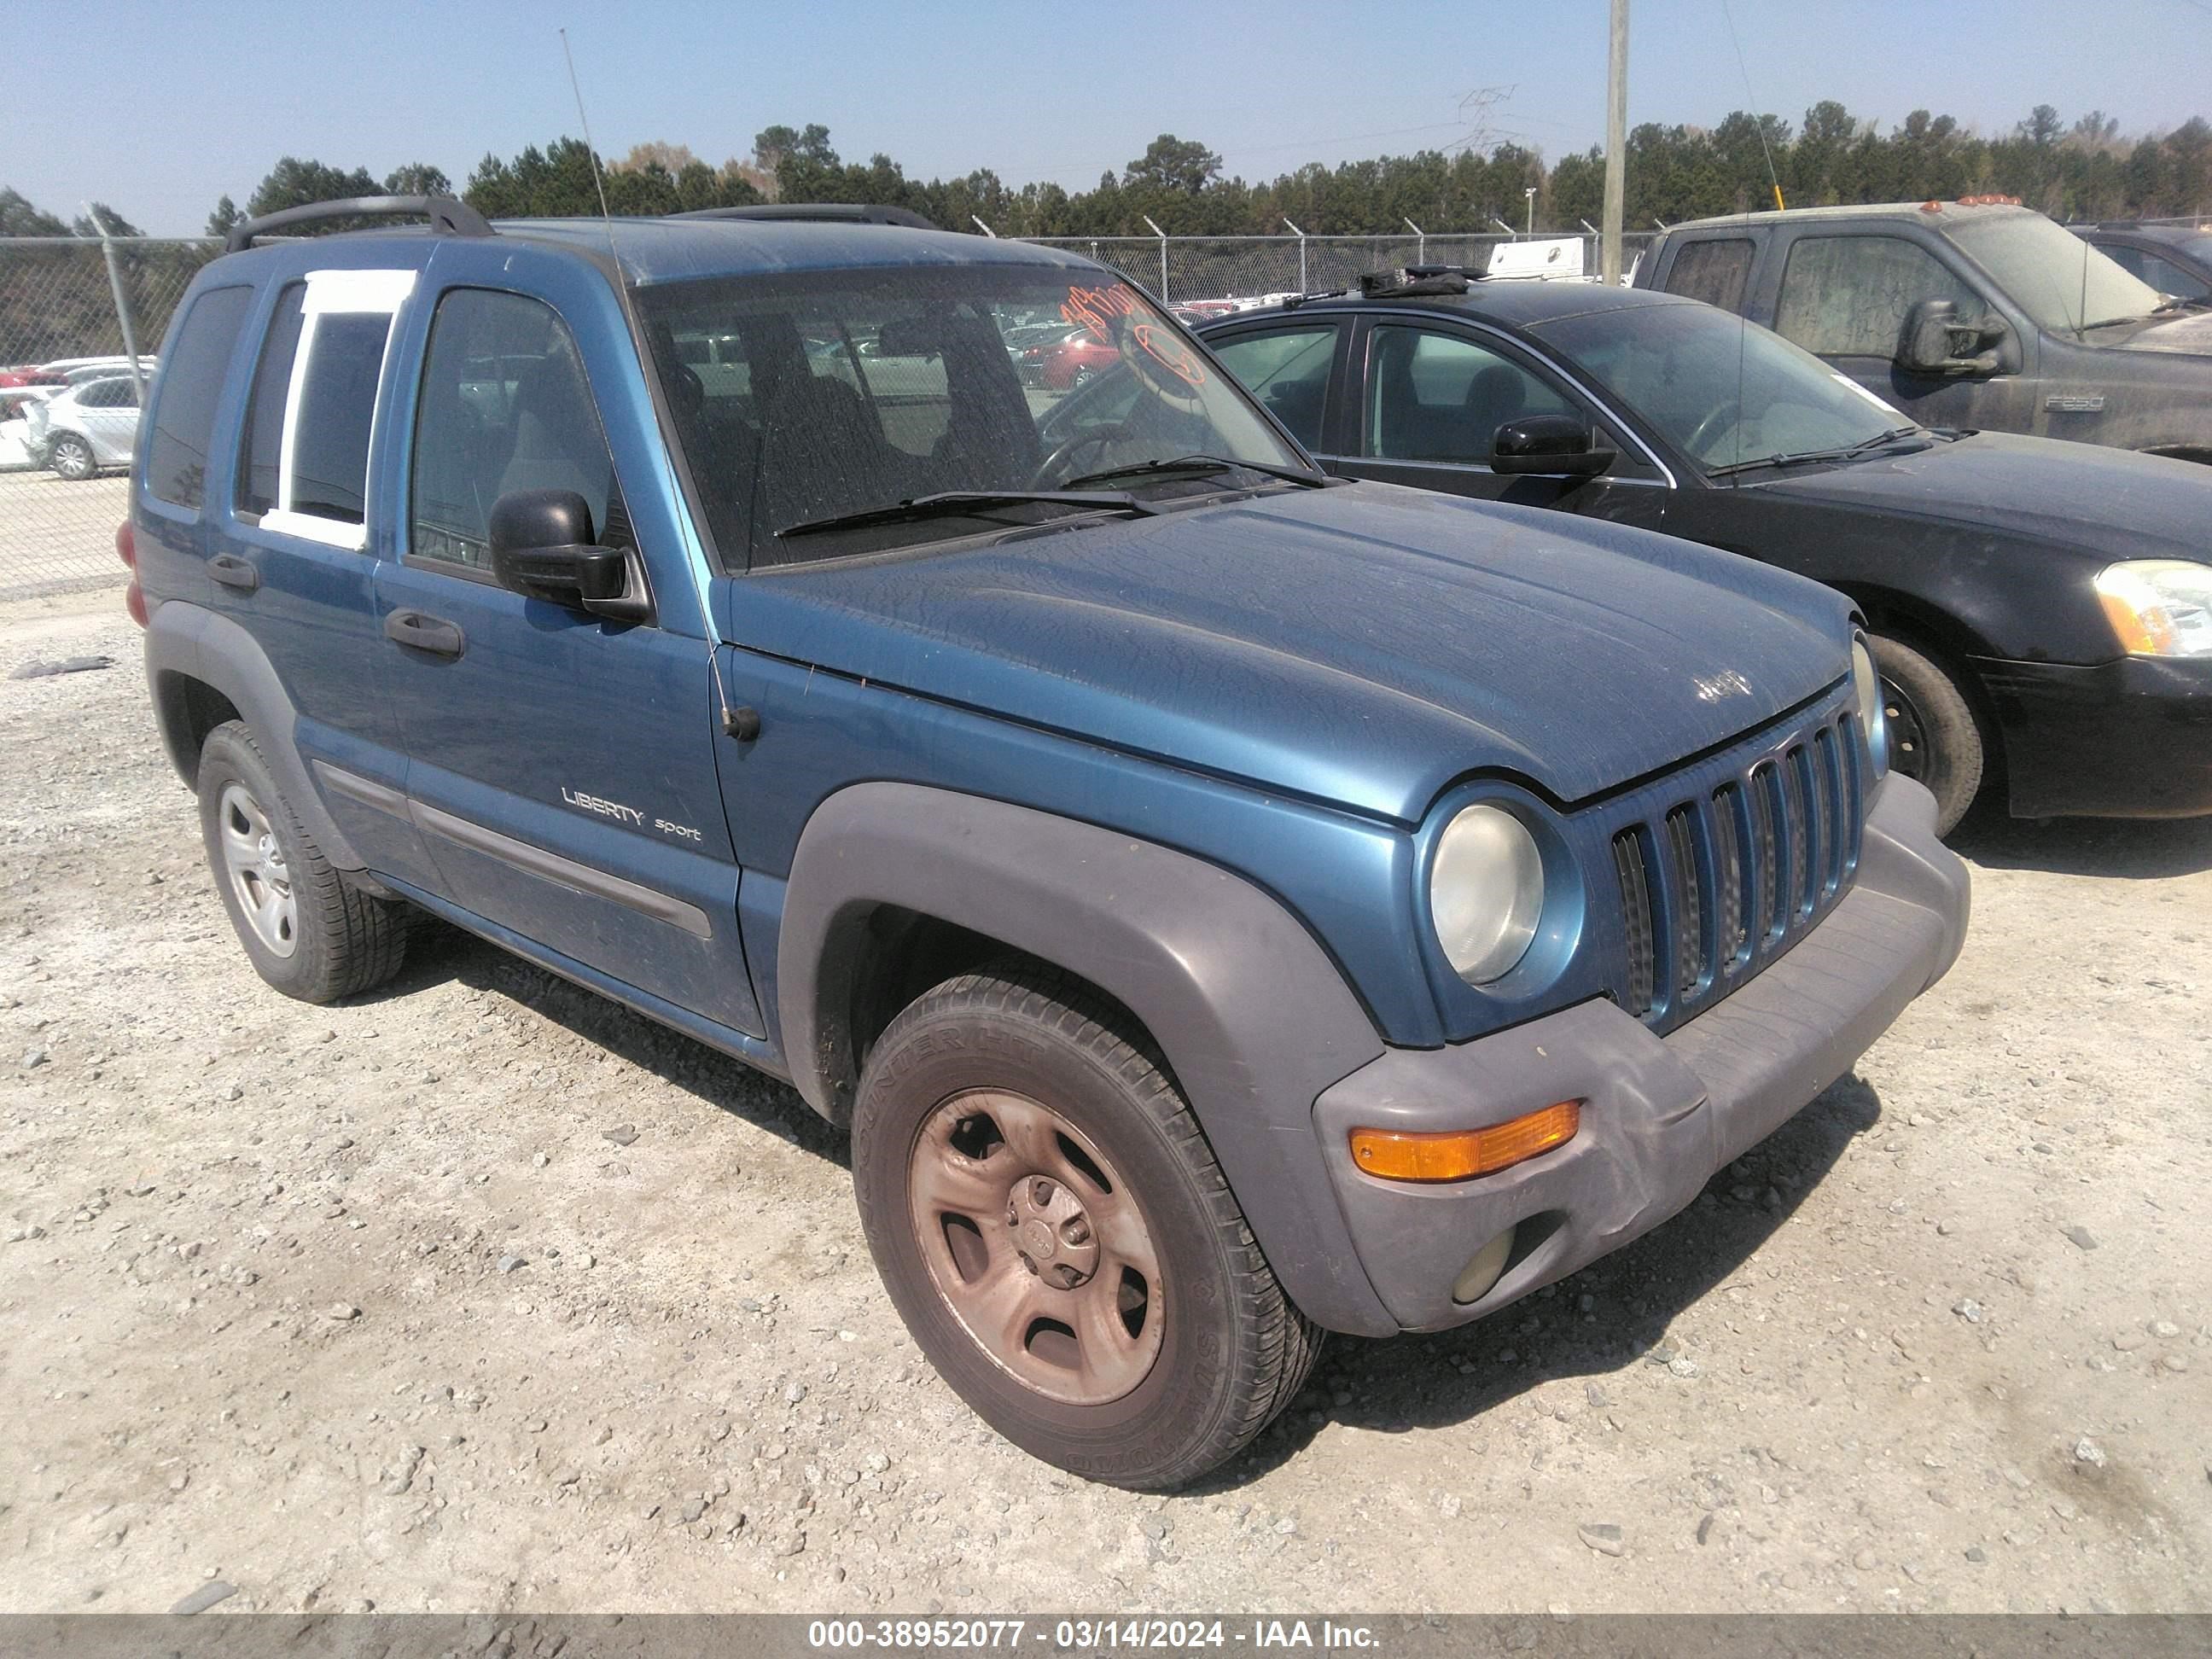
(1253, 1018)
(190, 641)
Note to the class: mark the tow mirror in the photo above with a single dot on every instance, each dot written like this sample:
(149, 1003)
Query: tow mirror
(541, 547)
(1554, 445)
(1935, 342)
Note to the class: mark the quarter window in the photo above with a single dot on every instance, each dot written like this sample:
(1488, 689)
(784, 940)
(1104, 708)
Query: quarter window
(177, 453)
(1435, 397)
(1287, 369)
(1714, 269)
(505, 406)
(312, 411)
(1846, 296)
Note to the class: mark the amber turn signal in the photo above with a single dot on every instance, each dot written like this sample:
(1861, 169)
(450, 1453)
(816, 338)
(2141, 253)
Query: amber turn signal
(1461, 1154)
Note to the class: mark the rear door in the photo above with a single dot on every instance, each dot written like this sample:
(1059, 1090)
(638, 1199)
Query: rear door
(291, 530)
(561, 765)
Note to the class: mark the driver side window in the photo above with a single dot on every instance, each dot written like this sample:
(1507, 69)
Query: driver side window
(504, 406)
(1439, 397)
(1846, 296)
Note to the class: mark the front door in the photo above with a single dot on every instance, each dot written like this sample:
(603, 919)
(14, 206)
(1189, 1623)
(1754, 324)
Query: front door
(1844, 299)
(561, 765)
(1430, 399)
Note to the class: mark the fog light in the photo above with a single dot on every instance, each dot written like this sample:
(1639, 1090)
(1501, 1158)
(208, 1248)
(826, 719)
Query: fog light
(1461, 1154)
(1489, 1264)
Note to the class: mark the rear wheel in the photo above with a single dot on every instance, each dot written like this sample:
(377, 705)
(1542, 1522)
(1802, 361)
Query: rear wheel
(1055, 1232)
(71, 458)
(1934, 738)
(310, 930)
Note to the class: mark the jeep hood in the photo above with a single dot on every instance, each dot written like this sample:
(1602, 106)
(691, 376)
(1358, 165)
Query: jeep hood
(1364, 645)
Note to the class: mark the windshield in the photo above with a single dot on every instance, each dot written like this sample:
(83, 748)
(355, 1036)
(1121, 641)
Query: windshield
(804, 398)
(1722, 390)
(2050, 273)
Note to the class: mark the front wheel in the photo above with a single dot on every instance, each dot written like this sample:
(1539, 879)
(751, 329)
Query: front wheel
(1053, 1229)
(71, 458)
(1934, 738)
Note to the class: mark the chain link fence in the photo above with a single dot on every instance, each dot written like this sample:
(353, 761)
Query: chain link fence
(1195, 270)
(72, 313)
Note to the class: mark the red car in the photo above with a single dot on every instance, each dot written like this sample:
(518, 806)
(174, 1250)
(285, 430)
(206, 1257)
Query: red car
(1064, 364)
(30, 374)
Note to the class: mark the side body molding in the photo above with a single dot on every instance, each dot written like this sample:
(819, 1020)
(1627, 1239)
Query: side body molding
(187, 639)
(1253, 1018)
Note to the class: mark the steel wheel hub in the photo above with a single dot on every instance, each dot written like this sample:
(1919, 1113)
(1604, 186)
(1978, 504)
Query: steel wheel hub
(1908, 742)
(1036, 1246)
(255, 865)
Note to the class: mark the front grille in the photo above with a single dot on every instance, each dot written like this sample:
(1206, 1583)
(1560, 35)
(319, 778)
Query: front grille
(1714, 887)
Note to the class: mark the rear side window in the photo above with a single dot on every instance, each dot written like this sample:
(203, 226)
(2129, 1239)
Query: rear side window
(313, 411)
(505, 406)
(1288, 371)
(1714, 270)
(108, 394)
(191, 382)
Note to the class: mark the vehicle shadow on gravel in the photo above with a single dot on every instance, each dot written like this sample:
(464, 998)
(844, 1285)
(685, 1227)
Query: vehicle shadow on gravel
(440, 953)
(1406, 1383)
(2133, 848)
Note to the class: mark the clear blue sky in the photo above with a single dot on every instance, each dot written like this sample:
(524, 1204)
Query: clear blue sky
(204, 95)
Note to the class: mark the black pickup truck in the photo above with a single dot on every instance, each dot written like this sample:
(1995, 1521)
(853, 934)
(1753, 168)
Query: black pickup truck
(1979, 313)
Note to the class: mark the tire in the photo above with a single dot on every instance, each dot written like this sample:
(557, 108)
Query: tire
(1933, 734)
(71, 458)
(1207, 1348)
(309, 929)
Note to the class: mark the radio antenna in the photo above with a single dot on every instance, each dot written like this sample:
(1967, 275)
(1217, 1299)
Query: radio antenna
(1758, 120)
(735, 722)
(590, 148)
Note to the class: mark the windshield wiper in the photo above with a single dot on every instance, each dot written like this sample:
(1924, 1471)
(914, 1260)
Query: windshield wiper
(1844, 452)
(955, 503)
(1200, 464)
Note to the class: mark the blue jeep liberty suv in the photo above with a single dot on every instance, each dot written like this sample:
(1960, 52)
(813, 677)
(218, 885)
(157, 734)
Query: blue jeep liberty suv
(1225, 904)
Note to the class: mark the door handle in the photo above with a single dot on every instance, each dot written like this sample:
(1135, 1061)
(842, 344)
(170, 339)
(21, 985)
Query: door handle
(419, 631)
(233, 572)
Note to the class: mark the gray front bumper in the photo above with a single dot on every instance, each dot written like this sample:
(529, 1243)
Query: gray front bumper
(1660, 1115)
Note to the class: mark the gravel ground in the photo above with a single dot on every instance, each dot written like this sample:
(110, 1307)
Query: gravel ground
(56, 536)
(484, 1294)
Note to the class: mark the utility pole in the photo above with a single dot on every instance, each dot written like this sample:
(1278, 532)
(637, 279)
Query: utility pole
(1616, 144)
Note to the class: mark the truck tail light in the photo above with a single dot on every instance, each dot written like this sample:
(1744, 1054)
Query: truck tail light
(1463, 1154)
(126, 543)
(134, 601)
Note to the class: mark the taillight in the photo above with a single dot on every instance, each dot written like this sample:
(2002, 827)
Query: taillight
(134, 601)
(126, 545)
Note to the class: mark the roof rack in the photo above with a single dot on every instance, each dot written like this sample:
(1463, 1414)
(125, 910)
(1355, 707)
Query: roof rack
(848, 213)
(1417, 279)
(1404, 282)
(447, 215)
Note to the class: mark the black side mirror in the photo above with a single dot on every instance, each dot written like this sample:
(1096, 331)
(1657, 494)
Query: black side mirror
(541, 547)
(1558, 445)
(1935, 342)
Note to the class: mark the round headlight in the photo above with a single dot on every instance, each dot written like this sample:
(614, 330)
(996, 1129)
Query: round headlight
(1868, 684)
(1486, 892)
